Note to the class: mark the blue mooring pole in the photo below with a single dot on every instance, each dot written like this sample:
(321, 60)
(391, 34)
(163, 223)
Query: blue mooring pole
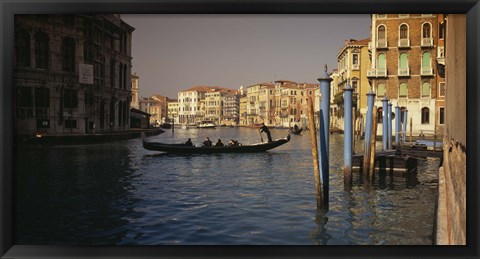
(389, 125)
(324, 134)
(398, 118)
(348, 129)
(368, 129)
(384, 123)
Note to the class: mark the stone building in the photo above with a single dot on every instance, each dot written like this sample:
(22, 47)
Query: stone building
(231, 109)
(72, 74)
(403, 66)
(173, 110)
(353, 64)
(135, 91)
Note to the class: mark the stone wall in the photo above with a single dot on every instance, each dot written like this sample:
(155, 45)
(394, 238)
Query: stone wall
(451, 217)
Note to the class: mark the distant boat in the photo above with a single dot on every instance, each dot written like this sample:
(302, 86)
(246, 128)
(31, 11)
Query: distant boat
(186, 149)
(206, 125)
(296, 131)
(166, 126)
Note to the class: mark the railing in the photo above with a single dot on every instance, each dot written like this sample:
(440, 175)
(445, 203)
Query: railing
(426, 71)
(381, 44)
(404, 43)
(427, 42)
(379, 72)
(404, 71)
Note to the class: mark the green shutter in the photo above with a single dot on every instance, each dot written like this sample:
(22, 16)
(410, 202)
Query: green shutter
(403, 60)
(403, 90)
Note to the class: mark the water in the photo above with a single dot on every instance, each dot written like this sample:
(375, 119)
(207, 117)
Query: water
(121, 194)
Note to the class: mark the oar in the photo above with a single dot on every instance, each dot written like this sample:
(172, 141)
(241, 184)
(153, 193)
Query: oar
(259, 132)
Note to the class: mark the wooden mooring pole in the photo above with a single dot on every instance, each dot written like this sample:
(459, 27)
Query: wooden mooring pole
(410, 130)
(316, 164)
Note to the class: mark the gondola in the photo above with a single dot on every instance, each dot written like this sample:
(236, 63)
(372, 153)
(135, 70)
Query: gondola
(185, 149)
(296, 132)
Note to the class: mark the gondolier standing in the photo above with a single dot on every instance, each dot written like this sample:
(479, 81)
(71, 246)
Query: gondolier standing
(267, 131)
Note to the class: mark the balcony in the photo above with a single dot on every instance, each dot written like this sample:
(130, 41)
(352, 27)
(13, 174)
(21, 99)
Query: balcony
(404, 71)
(426, 71)
(356, 66)
(382, 44)
(427, 42)
(379, 72)
(404, 43)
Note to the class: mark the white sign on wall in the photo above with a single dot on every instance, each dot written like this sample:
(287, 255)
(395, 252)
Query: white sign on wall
(85, 74)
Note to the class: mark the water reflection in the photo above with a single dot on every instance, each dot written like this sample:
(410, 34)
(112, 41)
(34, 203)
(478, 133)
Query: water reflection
(121, 194)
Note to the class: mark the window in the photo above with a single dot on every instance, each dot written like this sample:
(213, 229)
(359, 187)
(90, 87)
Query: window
(426, 89)
(70, 124)
(381, 64)
(43, 124)
(426, 63)
(441, 116)
(25, 98)
(23, 48)
(380, 115)
(355, 60)
(68, 54)
(403, 31)
(42, 97)
(381, 90)
(381, 32)
(441, 89)
(70, 98)
(41, 50)
(426, 30)
(425, 115)
(403, 90)
(403, 65)
(441, 30)
(112, 73)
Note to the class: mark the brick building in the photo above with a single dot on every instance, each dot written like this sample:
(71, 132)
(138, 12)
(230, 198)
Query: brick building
(403, 66)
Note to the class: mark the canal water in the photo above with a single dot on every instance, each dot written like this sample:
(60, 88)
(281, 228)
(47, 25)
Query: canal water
(121, 194)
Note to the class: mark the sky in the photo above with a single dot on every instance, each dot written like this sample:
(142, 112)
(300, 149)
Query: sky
(173, 52)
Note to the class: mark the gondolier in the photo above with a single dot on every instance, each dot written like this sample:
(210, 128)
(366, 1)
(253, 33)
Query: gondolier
(267, 131)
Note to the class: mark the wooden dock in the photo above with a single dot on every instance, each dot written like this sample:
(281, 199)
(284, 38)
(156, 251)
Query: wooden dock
(387, 161)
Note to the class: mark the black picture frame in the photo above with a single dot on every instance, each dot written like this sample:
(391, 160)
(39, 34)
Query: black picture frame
(10, 7)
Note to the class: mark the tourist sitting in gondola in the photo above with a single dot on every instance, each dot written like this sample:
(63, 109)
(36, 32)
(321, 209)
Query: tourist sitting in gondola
(189, 142)
(232, 142)
(295, 127)
(207, 142)
(219, 143)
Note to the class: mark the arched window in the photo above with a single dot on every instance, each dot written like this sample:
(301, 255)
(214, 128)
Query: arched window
(68, 54)
(425, 115)
(41, 50)
(403, 90)
(381, 64)
(403, 31)
(426, 64)
(381, 90)
(426, 89)
(426, 30)
(23, 48)
(403, 65)
(380, 115)
(381, 32)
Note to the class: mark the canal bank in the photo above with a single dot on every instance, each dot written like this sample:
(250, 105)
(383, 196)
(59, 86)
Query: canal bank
(72, 139)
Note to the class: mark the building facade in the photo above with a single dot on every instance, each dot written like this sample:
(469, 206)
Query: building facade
(72, 74)
(135, 91)
(403, 66)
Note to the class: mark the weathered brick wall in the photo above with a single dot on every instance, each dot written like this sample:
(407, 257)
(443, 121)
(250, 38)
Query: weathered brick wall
(451, 228)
